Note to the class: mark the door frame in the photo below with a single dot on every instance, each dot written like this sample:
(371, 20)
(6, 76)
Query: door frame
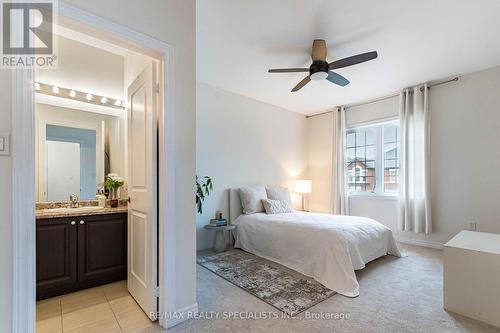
(23, 166)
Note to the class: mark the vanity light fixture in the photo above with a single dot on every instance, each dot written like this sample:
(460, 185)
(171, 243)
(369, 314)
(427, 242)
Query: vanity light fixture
(77, 95)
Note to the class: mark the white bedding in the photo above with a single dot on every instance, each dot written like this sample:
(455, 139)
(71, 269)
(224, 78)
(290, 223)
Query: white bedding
(326, 247)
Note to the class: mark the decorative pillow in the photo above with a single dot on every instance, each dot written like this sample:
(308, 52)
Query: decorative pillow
(251, 199)
(276, 206)
(279, 193)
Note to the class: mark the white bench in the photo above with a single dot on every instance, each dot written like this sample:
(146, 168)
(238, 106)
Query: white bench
(471, 268)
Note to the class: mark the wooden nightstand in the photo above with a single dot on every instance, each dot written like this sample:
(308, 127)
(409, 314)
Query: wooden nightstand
(220, 237)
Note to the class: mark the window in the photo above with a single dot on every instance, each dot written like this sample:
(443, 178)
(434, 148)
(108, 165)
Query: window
(391, 157)
(372, 158)
(361, 159)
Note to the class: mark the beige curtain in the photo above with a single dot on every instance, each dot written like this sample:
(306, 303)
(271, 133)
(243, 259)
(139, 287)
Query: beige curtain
(339, 204)
(415, 188)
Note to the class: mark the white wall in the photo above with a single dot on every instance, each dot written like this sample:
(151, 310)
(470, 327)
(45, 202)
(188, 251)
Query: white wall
(5, 210)
(173, 22)
(465, 136)
(85, 68)
(244, 142)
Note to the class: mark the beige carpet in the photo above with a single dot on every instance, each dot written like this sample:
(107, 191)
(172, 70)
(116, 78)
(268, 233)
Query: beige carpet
(396, 295)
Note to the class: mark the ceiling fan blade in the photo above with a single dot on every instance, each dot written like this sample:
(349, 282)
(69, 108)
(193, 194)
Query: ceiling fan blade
(301, 84)
(337, 79)
(319, 50)
(288, 70)
(357, 59)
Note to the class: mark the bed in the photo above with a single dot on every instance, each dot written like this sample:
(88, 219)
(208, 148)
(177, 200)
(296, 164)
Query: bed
(328, 248)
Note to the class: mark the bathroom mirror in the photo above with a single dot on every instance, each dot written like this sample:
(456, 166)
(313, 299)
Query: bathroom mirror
(75, 150)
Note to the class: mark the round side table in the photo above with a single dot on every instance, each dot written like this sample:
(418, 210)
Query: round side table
(220, 237)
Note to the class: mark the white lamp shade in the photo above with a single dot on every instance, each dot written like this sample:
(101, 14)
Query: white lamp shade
(303, 186)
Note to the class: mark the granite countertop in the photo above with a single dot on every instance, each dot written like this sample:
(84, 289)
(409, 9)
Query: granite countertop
(47, 214)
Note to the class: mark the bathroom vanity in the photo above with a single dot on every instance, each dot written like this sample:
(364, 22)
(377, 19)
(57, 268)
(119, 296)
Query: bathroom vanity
(79, 248)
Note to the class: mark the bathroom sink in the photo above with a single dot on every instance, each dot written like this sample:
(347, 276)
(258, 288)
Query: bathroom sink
(72, 210)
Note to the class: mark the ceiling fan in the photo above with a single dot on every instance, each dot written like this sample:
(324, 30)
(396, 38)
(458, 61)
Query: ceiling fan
(320, 69)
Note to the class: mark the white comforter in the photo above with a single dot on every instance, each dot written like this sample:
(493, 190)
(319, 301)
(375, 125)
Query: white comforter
(326, 247)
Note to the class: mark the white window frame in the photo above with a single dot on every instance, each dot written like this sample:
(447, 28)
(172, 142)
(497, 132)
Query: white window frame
(379, 160)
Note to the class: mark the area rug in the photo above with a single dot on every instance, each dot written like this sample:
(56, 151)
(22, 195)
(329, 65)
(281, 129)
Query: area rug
(286, 291)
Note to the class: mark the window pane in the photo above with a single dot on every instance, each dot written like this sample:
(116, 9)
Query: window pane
(371, 152)
(390, 150)
(360, 159)
(351, 140)
(360, 153)
(391, 157)
(370, 137)
(360, 138)
(390, 134)
(350, 154)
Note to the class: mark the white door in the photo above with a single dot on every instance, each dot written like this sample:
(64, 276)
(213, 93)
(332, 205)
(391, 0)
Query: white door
(142, 187)
(63, 170)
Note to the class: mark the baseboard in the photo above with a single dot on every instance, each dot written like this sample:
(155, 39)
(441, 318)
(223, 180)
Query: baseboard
(420, 242)
(179, 316)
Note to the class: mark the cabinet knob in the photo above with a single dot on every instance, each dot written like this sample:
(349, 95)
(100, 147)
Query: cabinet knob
(82, 222)
(73, 222)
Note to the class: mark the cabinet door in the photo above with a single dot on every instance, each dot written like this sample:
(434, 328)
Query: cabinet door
(56, 257)
(102, 249)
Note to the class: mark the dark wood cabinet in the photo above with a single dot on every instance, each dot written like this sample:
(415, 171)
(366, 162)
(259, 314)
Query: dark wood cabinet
(102, 245)
(56, 257)
(75, 253)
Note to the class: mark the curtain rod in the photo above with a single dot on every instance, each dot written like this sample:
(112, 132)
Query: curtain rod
(381, 98)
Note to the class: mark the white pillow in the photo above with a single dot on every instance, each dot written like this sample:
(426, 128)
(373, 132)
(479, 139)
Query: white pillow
(276, 206)
(279, 193)
(251, 199)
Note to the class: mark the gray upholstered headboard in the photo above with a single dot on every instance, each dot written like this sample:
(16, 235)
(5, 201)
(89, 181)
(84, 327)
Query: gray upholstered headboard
(235, 208)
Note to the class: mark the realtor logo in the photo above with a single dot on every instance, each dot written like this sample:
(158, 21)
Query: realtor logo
(27, 34)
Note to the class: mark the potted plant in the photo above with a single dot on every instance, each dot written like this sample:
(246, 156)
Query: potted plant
(113, 182)
(203, 189)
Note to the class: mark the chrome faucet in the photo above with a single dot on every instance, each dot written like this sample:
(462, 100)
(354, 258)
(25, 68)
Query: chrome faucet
(73, 199)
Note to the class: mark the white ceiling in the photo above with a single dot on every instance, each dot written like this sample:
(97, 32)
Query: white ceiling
(417, 41)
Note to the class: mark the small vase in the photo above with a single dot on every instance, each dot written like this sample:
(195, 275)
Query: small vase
(113, 197)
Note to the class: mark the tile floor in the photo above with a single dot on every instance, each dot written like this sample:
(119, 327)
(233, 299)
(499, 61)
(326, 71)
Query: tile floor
(108, 308)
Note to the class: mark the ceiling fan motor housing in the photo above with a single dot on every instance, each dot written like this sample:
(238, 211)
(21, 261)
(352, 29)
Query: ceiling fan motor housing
(319, 70)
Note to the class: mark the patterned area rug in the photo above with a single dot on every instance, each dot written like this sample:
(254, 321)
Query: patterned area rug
(290, 293)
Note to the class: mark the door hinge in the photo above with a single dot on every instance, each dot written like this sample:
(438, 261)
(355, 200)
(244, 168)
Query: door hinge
(157, 88)
(156, 291)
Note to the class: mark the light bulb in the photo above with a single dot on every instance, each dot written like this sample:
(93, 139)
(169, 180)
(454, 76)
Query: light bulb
(55, 90)
(89, 97)
(118, 102)
(37, 86)
(72, 93)
(104, 100)
(319, 76)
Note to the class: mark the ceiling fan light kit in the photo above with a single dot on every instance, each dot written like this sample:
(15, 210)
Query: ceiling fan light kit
(320, 69)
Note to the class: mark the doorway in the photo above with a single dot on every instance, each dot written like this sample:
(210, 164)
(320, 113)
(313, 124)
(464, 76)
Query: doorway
(24, 266)
(94, 227)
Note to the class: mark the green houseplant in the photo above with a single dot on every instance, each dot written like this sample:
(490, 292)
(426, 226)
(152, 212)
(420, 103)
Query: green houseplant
(113, 182)
(203, 188)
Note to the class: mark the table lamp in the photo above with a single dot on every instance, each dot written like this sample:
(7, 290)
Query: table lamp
(303, 186)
